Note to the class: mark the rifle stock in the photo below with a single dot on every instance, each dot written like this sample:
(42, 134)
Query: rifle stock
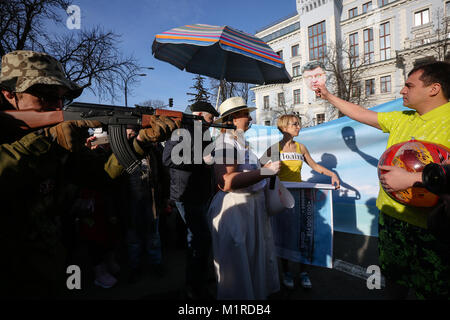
(34, 119)
(115, 118)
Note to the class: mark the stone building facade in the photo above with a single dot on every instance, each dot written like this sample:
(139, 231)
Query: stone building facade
(388, 37)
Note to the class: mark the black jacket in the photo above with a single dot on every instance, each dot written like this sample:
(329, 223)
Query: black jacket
(189, 182)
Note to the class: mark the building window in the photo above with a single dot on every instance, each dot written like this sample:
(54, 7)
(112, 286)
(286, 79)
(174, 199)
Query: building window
(368, 46)
(266, 102)
(320, 118)
(281, 99)
(385, 41)
(370, 87)
(267, 123)
(356, 89)
(447, 8)
(422, 17)
(385, 84)
(354, 49)
(367, 6)
(297, 96)
(317, 41)
(296, 70)
(353, 12)
(382, 2)
(294, 50)
(280, 53)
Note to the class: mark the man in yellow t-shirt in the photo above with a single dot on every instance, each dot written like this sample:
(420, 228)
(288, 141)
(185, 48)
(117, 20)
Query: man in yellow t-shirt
(410, 255)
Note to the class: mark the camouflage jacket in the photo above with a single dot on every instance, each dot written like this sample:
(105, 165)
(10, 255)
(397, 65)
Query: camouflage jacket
(38, 182)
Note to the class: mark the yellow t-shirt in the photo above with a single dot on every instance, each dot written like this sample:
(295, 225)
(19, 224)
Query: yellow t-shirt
(291, 165)
(434, 126)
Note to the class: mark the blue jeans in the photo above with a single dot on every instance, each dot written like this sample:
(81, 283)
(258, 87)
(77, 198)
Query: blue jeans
(199, 242)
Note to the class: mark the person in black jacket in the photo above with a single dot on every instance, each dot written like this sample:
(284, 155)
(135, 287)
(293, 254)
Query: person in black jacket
(191, 188)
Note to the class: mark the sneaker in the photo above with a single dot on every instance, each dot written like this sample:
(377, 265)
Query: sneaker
(103, 278)
(288, 280)
(305, 281)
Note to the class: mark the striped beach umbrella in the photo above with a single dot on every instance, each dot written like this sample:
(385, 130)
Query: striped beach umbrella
(220, 52)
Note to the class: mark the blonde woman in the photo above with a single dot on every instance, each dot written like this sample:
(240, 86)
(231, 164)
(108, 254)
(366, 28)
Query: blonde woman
(292, 156)
(243, 248)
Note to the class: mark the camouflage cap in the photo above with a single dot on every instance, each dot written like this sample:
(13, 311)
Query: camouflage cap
(22, 69)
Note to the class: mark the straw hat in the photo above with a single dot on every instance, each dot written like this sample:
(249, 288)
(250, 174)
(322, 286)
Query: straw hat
(232, 105)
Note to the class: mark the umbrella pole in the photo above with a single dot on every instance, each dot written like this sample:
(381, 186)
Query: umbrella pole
(222, 76)
(218, 95)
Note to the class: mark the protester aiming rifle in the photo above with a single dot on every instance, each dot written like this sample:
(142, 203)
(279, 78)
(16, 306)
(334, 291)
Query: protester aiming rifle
(115, 118)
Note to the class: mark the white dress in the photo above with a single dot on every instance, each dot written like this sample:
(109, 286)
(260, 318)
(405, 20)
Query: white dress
(243, 247)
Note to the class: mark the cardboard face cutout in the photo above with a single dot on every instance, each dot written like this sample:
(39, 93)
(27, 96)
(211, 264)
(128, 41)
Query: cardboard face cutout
(314, 77)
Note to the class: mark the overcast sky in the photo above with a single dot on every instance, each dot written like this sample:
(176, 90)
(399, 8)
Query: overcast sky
(138, 22)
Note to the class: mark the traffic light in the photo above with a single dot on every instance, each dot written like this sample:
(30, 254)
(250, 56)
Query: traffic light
(170, 102)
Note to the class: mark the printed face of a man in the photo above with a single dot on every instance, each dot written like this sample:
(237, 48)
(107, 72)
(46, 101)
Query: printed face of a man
(314, 77)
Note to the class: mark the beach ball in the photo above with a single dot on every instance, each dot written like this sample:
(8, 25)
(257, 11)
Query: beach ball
(413, 155)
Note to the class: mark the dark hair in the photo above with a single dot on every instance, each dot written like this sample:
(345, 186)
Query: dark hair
(312, 65)
(435, 72)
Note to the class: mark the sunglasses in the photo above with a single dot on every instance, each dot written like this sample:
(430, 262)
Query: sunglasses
(296, 124)
(50, 97)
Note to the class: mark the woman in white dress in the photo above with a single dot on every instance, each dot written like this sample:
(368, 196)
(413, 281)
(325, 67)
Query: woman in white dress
(243, 247)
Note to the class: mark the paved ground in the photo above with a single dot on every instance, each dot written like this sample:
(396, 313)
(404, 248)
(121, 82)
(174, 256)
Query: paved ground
(328, 284)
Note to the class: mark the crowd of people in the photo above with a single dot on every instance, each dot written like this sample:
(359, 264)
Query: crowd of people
(60, 190)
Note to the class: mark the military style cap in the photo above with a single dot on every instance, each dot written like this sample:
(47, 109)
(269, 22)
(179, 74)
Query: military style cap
(203, 106)
(22, 69)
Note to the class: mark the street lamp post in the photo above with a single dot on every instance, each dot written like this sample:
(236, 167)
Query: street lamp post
(131, 76)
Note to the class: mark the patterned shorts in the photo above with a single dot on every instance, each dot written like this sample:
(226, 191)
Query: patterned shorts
(414, 258)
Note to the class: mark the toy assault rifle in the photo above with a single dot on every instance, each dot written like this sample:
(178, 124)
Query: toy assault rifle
(115, 118)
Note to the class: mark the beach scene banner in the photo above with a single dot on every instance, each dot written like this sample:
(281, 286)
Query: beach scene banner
(351, 150)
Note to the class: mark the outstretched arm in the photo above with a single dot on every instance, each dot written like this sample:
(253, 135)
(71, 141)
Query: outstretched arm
(318, 168)
(351, 110)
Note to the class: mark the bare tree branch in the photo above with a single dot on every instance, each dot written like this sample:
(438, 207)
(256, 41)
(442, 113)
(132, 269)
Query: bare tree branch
(228, 90)
(21, 22)
(90, 57)
(93, 58)
(154, 103)
(346, 74)
(442, 35)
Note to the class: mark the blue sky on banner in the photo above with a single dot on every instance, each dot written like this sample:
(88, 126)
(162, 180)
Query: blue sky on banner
(139, 21)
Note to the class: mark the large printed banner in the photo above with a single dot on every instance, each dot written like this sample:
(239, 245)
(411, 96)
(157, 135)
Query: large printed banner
(351, 150)
(305, 233)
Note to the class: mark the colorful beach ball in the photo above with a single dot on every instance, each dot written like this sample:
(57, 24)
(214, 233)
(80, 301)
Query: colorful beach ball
(413, 156)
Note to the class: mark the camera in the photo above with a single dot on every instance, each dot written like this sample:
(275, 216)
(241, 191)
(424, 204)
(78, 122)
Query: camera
(436, 178)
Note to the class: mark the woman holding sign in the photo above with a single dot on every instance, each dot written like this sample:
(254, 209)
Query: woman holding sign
(292, 155)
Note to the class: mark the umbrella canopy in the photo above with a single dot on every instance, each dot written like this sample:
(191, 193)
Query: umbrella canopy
(221, 53)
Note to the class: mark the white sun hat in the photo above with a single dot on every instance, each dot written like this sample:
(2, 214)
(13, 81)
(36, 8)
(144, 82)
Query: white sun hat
(232, 105)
